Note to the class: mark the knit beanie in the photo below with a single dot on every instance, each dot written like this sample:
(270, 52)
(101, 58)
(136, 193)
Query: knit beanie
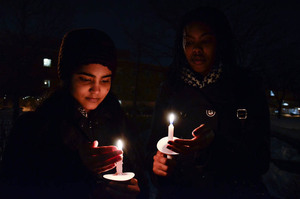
(85, 46)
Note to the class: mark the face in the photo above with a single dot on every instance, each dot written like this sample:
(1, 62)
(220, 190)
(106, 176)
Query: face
(90, 85)
(199, 45)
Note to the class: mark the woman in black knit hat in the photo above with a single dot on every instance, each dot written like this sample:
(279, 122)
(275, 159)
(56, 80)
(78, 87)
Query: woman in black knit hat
(53, 152)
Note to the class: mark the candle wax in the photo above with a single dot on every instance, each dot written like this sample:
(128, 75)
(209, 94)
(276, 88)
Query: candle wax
(170, 132)
(119, 166)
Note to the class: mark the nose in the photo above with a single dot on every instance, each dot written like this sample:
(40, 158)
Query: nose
(95, 88)
(197, 48)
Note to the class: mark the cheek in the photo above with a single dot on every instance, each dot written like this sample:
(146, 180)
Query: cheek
(77, 90)
(212, 53)
(105, 90)
(212, 49)
(187, 51)
(108, 88)
(73, 89)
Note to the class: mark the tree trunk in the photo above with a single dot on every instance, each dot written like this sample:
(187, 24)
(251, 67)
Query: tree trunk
(279, 109)
(136, 83)
(16, 108)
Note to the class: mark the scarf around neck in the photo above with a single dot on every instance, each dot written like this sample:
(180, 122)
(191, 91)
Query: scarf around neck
(193, 79)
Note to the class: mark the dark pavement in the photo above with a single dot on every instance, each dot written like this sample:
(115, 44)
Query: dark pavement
(283, 177)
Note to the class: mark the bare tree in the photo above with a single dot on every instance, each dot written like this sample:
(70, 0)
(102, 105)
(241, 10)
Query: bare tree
(145, 39)
(281, 74)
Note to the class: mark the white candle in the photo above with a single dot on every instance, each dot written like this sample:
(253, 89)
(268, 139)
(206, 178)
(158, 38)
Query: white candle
(171, 127)
(119, 166)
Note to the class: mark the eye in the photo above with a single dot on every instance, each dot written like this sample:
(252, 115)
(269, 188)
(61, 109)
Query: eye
(188, 43)
(84, 79)
(106, 80)
(207, 41)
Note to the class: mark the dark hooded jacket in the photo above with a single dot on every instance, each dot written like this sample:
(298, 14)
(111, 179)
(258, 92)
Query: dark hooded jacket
(42, 158)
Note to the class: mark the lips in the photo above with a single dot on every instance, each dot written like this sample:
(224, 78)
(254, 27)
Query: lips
(198, 60)
(92, 99)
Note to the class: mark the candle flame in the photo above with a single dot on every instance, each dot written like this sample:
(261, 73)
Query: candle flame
(171, 118)
(120, 144)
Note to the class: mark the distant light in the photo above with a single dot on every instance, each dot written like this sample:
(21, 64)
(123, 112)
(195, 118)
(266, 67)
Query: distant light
(47, 62)
(276, 111)
(298, 109)
(272, 93)
(295, 112)
(26, 97)
(47, 83)
(120, 101)
(285, 104)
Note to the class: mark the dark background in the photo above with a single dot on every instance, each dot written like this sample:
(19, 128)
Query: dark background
(267, 33)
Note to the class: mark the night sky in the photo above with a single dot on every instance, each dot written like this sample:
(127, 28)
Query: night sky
(264, 29)
(148, 26)
(109, 16)
(274, 23)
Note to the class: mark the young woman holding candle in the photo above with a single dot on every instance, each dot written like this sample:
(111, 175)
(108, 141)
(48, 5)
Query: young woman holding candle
(222, 117)
(63, 148)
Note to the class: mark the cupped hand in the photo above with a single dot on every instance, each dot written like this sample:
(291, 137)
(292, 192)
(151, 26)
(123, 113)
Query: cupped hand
(161, 165)
(202, 138)
(99, 159)
(126, 189)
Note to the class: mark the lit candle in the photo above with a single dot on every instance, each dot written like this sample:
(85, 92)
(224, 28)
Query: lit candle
(171, 127)
(119, 166)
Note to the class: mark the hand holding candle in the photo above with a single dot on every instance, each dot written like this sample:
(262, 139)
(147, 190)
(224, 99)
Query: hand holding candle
(163, 142)
(119, 175)
(98, 159)
(161, 166)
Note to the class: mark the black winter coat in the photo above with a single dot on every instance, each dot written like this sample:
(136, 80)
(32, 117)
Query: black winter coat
(240, 152)
(42, 160)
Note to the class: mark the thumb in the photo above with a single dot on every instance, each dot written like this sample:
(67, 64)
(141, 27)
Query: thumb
(196, 132)
(95, 143)
(85, 147)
